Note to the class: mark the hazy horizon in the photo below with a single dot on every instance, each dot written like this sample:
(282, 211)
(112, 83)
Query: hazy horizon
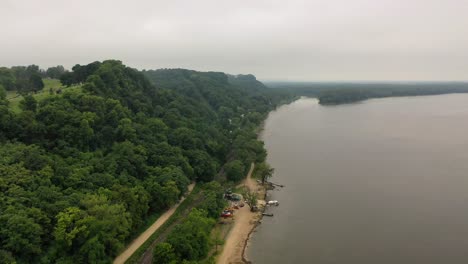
(333, 40)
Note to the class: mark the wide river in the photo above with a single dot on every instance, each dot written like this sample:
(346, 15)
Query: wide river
(384, 181)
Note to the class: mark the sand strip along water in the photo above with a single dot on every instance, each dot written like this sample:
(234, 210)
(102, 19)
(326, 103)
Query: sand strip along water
(145, 235)
(244, 222)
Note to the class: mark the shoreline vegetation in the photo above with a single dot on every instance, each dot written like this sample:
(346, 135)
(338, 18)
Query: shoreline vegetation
(243, 224)
(238, 235)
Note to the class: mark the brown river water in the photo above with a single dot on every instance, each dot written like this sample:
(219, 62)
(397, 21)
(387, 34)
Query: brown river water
(383, 181)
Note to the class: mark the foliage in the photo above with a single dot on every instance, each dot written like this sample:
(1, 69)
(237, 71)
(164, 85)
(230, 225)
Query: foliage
(2, 93)
(178, 215)
(55, 72)
(7, 78)
(339, 93)
(190, 239)
(35, 82)
(79, 73)
(22, 79)
(214, 199)
(164, 254)
(339, 96)
(251, 198)
(81, 170)
(264, 171)
(29, 103)
(235, 170)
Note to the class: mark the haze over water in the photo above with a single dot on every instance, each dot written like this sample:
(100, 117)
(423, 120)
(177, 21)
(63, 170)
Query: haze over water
(384, 181)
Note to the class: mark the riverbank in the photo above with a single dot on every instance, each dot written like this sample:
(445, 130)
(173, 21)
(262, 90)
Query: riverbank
(243, 224)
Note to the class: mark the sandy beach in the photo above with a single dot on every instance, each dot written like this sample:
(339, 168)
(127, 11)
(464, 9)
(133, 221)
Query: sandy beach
(244, 222)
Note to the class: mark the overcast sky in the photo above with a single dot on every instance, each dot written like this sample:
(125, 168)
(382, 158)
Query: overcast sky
(312, 40)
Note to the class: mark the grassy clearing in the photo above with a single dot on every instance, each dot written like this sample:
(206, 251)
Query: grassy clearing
(11, 94)
(14, 101)
(51, 86)
(239, 189)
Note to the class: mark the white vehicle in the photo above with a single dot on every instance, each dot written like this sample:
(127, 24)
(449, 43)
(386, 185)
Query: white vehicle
(273, 202)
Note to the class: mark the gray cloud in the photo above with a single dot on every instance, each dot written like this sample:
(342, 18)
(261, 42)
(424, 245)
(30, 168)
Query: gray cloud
(295, 40)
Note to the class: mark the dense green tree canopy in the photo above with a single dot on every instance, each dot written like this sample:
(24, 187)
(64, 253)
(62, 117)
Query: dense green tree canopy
(80, 171)
(2, 93)
(7, 78)
(55, 72)
(36, 82)
(235, 170)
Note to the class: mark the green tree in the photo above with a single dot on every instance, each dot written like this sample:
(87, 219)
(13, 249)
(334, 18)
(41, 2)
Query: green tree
(251, 198)
(185, 138)
(2, 93)
(20, 234)
(136, 202)
(36, 82)
(33, 70)
(94, 251)
(125, 130)
(264, 171)
(235, 170)
(190, 239)
(29, 103)
(7, 79)
(214, 199)
(23, 86)
(109, 223)
(55, 72)
(164, 254)
(87, 166)
(170, 193)
(6, 257)
(203, 165)
(71, 227)
(86, 134)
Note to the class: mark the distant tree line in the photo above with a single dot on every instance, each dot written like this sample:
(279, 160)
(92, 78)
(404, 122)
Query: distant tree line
(342, 92)
(367, 91)
(25, 79)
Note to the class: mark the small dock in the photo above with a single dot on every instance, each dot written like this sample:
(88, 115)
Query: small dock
(276, 184)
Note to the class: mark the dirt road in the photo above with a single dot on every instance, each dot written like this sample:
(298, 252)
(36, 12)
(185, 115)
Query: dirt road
(145, 235)
(249, 182)
(244, 221)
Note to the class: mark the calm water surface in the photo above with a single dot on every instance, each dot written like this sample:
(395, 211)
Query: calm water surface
(383, 181)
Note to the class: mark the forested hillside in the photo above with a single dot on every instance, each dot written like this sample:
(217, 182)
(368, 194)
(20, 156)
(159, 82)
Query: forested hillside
(81, 170)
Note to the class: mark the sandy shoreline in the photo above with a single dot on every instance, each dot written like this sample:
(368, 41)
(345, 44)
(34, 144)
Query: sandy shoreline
(245, 222)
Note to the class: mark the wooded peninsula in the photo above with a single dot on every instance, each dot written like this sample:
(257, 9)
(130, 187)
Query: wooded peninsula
(331, 93)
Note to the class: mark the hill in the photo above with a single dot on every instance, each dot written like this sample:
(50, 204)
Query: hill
(82, 170)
